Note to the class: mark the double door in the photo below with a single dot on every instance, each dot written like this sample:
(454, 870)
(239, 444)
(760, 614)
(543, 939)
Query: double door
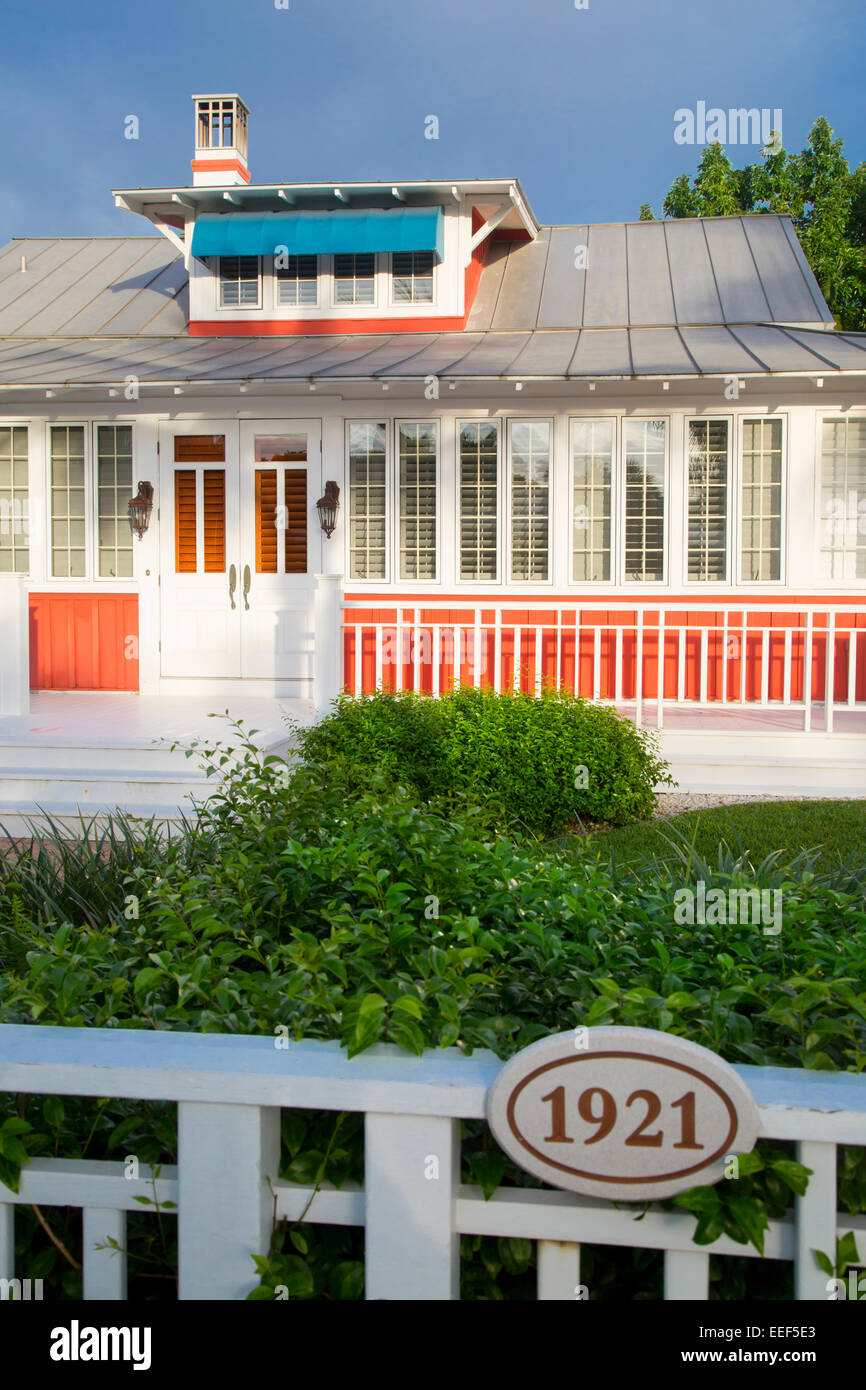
(239, 544)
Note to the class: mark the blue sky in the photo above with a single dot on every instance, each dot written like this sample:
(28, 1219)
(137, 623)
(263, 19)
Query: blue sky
(578, 104)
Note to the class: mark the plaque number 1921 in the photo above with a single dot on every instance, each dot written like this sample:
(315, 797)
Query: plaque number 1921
(596, 1106)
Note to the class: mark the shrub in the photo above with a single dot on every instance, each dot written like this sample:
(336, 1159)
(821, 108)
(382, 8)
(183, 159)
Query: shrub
(368, 918)
(540, 763)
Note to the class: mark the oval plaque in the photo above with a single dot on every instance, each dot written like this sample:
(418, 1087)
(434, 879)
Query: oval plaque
(624, 1113)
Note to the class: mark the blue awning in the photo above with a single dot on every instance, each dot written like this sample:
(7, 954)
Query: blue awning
(318, 233)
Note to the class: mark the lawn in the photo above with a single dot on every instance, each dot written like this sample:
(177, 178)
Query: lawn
(836, 828)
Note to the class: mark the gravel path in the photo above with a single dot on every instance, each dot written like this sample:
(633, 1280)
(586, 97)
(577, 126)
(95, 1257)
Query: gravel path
(672, 803)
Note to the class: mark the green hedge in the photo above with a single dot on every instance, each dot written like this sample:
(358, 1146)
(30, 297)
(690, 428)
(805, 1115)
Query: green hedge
(539, 763)
(364, 917)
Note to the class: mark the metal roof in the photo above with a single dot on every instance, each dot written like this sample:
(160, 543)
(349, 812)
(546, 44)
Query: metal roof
(712, 296)
(542, 354)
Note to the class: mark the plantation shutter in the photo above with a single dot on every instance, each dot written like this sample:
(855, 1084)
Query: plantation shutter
(266, 521)
(214, 508)
(184, 521)
(296, 520)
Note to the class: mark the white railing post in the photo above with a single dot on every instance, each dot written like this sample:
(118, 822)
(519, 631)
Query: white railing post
(558, 1271)
(411, 1173)
(829, 672)
(327, 641)
(807, 672)
(660, 674)
(104, 1269)
(638, 678)
(687, 1275)
(815, 1220)
(226, 1155)
(7, 1240)
(14, 645)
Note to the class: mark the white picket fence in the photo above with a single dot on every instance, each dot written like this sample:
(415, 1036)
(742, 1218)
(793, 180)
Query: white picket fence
(229, 1092)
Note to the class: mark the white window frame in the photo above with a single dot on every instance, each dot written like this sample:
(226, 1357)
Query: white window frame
(744, 417)
(356, 304)
(436, 423)
(822, 580)
(27, 539)
(388, 577)
(592, 586)
(498, 423)
(620, 570)
(218, 286)
(732, 548)
(91, 505)
(411, 303)
(506, 508)
(274, 277)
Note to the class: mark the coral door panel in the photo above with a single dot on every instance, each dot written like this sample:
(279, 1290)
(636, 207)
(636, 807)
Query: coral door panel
(84, 641)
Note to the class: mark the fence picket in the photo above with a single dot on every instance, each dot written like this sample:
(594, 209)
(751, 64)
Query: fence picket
(558, 1271)
(687, 1275)
(104, 1269)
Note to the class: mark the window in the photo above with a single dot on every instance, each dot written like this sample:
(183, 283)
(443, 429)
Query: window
(114, 489)
(645, 455)
(14, 501)
(412, 277)
(417, 462)
(355, 279)
(239, 282)
(367, 517)
(592, 455)
(843, 499)
(530, 499)
(68, 525)
(297, 281)
(199, 504)
(281, 504)
(762, 501)
(708, 500)
(479, 500)
(222, 124)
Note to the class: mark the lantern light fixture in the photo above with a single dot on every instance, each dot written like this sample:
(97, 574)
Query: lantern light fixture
(140, 508)
(328, 507)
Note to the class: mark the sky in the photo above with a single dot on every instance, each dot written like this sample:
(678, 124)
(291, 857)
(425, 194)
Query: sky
(579, 104)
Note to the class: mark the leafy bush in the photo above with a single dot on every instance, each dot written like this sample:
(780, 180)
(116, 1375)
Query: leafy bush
(368, 918)
(540, 763)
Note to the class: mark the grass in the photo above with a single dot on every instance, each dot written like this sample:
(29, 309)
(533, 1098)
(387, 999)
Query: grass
(836, 828)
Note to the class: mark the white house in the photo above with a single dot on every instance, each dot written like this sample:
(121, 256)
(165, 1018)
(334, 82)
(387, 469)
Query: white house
(627, 459)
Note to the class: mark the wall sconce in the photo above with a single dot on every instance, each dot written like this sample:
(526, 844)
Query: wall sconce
(327, 507)
(140, 508)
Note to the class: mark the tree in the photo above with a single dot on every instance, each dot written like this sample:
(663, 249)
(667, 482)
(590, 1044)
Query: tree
(816, 189)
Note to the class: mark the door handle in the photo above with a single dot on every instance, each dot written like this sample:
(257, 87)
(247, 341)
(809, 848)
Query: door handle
(247, 582)
(233, 581)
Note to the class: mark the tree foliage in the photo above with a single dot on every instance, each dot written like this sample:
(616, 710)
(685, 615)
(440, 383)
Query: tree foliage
(824, 198)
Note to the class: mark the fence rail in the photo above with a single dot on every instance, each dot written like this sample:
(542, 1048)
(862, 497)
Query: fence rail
(631, 653)
(229, 1091)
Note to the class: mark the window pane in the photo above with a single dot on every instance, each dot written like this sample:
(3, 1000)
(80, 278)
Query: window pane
(14, 501)
(708, 500)
(68, 556)
(592, 458)
(530, 500)
(297, 280)
(479, 482)
(114, 477)
(367, 525)
(645, 499)
(843, 499)
(761, 501)
(239, 281)
(417, 447)
(412, 277)
(354, 279)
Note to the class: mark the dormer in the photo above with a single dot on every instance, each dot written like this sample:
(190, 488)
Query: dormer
(323, 258)
(220, 142)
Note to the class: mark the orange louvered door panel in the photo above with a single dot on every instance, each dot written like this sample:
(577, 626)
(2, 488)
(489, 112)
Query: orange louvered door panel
(214, 520)
(184, 521)
(266, 521)
(296, 520)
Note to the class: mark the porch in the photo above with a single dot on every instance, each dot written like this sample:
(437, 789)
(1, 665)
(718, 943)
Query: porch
(85, 753)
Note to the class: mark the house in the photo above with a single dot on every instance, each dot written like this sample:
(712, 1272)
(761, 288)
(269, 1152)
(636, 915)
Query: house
(401, 434)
